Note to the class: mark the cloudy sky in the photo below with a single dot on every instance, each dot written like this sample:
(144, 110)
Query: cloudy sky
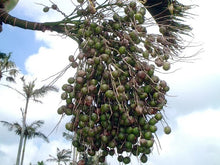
(193, 106)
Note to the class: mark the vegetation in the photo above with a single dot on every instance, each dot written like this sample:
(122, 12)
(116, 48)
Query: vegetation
(7, 68)
(31, 131)
(115, 99)
(29, 93)
(61, 156)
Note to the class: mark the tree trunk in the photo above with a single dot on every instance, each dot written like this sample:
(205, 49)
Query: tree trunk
(24, 115)
(24, 146)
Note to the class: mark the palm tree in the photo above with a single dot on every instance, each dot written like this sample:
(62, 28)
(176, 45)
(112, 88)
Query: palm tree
(75, 154)
(31, 131)
(29, 93)
(7, 67)
(62, 156)
(40, 163)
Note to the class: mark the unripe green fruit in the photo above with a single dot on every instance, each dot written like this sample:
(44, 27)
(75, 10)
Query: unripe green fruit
(167, 130)
(104, 87)
(138, 16)
(98, 30)
(122, 50)
(148, 135)
(104, 139)
(69, 126)
(144, 158)
(158, 116)
(166, 66)
(109, 94)
(150, 143)
(153, 128)
(120, 158)
(46, 9)
(80, 1)
(126, 160)
(152, 121)
(145, 54)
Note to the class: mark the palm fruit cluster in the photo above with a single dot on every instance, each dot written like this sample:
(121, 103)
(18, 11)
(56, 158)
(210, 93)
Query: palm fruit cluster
(115, 98)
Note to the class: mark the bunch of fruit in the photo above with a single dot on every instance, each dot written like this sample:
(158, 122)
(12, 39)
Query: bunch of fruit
(115, 98)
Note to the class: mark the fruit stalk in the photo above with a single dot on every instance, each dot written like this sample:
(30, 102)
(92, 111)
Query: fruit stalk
(59, 26)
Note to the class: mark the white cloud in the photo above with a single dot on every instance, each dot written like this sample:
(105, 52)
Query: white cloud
(33, 10)
(195, 140)
(36, 152)
(52, 58)
(201, 124)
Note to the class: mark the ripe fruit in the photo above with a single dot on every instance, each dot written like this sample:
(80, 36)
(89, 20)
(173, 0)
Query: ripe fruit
(54, 6)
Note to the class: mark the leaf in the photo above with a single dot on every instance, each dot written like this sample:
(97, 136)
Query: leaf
(10, 79)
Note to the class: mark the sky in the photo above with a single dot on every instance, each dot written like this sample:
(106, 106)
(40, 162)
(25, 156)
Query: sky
(193, 103)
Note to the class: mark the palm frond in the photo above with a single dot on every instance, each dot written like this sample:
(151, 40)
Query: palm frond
(13, 126)
(37, 101)
(7, 124)
(10, 79)
(37, 124)
(41, 92)
(40, 135)
(9, 65)
(64, 154)
(2, 55)
(68, 136)
(13, 72)
(28, 88)
(52, 159)
(31, 130)
(8, 86)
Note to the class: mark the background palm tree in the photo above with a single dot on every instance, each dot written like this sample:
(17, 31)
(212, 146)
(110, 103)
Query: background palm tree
(7, 67)
(41, 163)
(62, 156)
(75, 154)
(31, 131)
(29, 93)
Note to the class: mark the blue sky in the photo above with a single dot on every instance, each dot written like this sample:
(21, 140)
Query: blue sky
(18, 41)
(193, 104)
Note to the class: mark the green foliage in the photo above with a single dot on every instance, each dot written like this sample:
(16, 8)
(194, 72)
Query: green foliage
(7, 67)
